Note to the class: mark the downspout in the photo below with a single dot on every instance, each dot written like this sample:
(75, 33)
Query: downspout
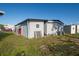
(76, 29)
(27, 29)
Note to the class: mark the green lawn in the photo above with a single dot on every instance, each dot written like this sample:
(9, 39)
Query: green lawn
(13, 45)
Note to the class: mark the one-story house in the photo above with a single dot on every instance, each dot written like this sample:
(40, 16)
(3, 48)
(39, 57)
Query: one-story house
(71, 29)
(34, 28)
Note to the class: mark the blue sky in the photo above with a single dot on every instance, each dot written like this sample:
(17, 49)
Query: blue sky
(15, 13)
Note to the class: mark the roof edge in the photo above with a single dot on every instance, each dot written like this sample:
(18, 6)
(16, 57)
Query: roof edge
(31, 19)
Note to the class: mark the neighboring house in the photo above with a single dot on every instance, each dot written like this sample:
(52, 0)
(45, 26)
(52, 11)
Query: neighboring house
(33, 28)
(71, 29)
(8, 27)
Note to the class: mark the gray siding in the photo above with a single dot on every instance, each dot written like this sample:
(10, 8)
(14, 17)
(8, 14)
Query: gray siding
(67, 29)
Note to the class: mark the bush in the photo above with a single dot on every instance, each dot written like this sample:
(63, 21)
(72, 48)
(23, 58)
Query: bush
(67, 49)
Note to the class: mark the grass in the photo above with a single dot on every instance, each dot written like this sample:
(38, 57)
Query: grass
(13, 45)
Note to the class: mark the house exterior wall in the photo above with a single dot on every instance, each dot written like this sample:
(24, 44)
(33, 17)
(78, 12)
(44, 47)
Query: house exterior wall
(54, 28)
(67, 29)
(49, 28)
(23, 29)
(32, 28)
(77, 28)
(73, 29)
(60, 29)
(16, 29)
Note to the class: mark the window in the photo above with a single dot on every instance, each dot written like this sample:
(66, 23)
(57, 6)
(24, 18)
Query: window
(37, 25)
(73, 28)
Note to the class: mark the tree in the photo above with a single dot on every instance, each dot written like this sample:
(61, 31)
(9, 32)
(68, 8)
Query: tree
(1, 26)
